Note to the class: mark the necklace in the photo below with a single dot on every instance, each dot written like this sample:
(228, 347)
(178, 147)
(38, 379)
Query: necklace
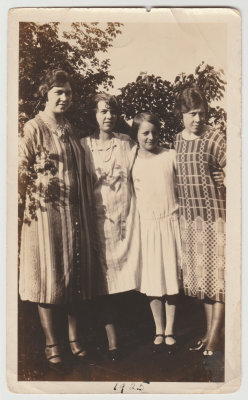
(59, 129)
(106, 150)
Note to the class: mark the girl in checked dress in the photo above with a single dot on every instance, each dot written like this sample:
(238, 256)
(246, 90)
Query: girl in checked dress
(154, 184)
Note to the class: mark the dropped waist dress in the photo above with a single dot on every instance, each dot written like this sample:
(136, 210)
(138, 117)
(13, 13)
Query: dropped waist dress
(154, 184)
(202, 214)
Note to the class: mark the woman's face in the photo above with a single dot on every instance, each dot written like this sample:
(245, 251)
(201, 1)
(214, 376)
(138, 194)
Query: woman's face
(194, 120)
(59, 98)
(106, 117)
(147, 136)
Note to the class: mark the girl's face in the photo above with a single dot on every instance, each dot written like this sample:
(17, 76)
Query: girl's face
(194, 120)
(59, 98)
(106, 117)
(147, 136)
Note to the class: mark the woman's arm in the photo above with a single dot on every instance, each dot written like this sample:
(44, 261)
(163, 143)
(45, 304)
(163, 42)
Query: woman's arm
(174, 160)
(219, 173)
(26, 157)
(25, 160)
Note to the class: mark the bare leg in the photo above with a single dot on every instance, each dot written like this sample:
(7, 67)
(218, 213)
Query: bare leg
(170, 310)
(157, 308)
(46, 314)
(208, 312)
(218, 310)
(76, 346)
(72, 326)
(47, 322)
(111, 335)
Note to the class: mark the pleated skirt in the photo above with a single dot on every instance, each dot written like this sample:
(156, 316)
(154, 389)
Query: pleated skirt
(161, 256)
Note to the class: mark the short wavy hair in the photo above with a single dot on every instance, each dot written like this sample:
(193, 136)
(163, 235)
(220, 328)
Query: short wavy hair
(190, 98)
(108, 99)
(141, 117)
(54, 77)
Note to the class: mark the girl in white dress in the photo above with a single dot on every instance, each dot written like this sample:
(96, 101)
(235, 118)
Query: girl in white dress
(154, 183)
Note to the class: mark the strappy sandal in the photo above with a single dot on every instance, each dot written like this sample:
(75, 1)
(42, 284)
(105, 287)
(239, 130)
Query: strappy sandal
(52, 351)
(171, 348)
(80, 354)
(157, 348)
(199, 345)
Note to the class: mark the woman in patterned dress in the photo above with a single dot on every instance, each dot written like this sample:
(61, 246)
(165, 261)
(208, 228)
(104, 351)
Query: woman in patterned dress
(109, 159)
(55, 250)
(201, 159)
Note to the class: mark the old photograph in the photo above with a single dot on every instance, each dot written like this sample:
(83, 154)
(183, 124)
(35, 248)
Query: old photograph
(124, 275)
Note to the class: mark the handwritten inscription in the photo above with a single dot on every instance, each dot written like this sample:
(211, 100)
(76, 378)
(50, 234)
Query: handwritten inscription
(130, 387)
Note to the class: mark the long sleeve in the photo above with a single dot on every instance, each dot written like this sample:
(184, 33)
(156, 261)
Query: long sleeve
(26, 155)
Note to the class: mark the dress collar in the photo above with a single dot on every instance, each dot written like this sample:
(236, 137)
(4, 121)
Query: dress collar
(61, 130)
(97, 145)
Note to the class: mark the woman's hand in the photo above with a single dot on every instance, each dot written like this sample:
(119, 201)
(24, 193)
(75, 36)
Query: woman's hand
(219, 178)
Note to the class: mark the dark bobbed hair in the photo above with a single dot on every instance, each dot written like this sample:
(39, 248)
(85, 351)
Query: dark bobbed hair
(190, 98)
(141, 117)
(54, 77)
(109, 99)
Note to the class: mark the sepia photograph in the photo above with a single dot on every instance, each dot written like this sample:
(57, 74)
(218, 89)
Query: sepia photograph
(123, 147)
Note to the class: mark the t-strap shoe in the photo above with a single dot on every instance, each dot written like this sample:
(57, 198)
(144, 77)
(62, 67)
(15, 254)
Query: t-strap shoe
(53, 352)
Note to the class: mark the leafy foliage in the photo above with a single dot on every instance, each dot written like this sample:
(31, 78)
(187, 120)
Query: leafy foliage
(151, 93)
(79, 50)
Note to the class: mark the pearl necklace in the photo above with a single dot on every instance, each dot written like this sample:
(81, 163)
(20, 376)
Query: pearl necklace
(107, 152)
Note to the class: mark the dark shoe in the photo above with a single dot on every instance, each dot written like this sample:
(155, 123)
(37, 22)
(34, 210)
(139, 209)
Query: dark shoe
(199, 345)
(171, 348)
(79, 353)
(213, 359)
(114, 355)
(52, 351)
(158, 348)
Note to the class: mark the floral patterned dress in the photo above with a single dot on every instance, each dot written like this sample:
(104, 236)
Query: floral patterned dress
(55, 254)
(116, 224)
(202, 214)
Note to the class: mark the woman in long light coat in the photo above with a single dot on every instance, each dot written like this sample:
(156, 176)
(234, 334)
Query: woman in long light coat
(55, 253)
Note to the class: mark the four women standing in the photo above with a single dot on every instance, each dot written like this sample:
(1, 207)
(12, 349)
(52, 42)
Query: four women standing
(79, 199)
